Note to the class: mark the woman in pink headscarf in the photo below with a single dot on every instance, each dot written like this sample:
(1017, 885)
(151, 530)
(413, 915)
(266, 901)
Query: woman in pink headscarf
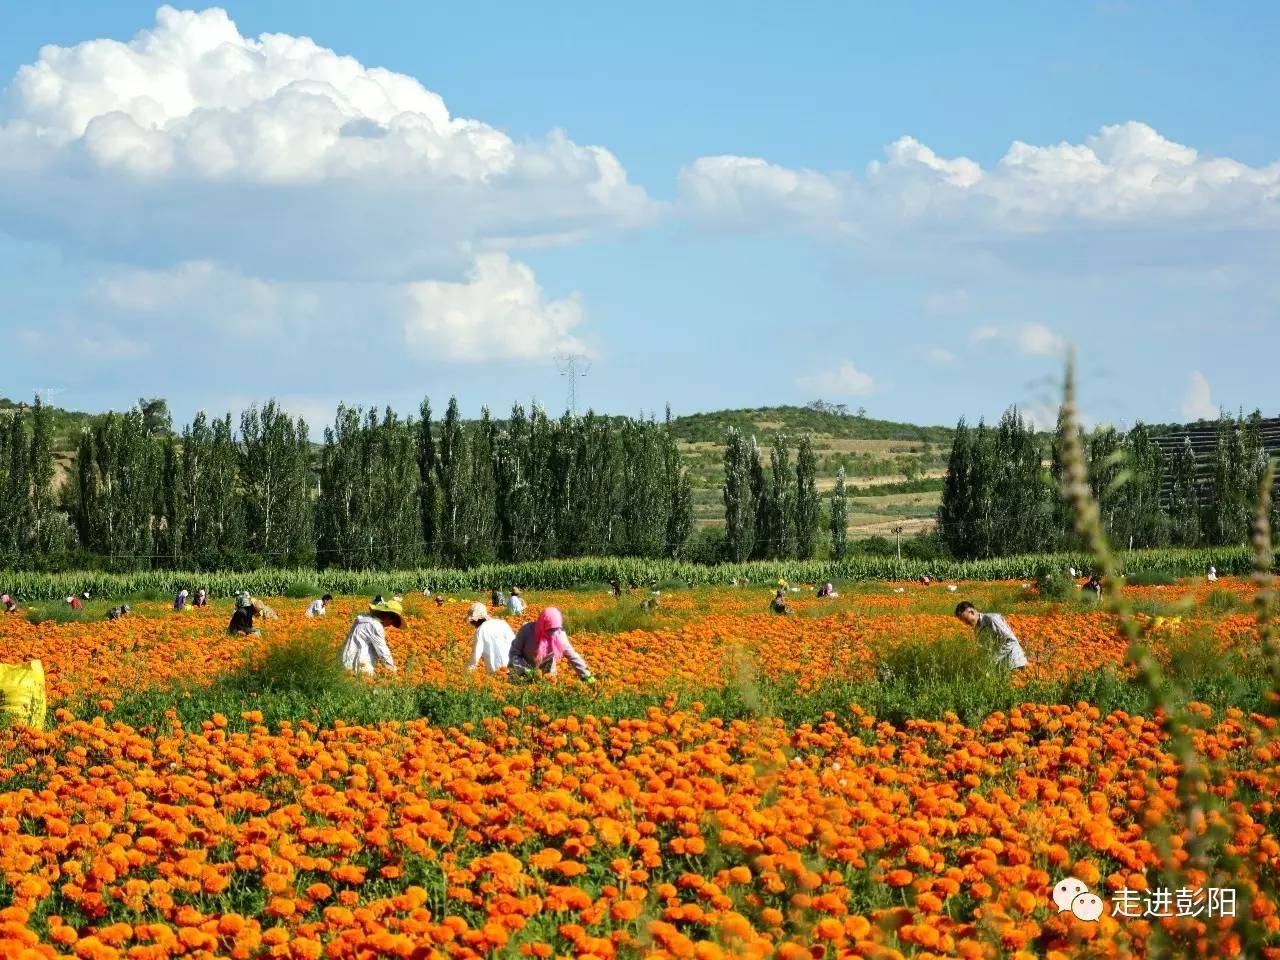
(541, 645)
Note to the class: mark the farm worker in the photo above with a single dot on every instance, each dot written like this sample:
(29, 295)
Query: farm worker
(74, 603)
(439, 600)
(242, 617)
(516, 604)
(616, 587)
(202, 598)
(493, 639)
(542, 644)
(366, 643)
(180, 601)
(318, 607)
(1213, 574)
(993, 634)
(827, 590)
(116, 613)
(925, 581)
(496, 597)
(1094, 583)
(779, 604)
(9, 605)
(1071, 571)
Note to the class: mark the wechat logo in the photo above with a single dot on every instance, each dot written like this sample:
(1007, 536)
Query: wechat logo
(1074, 895)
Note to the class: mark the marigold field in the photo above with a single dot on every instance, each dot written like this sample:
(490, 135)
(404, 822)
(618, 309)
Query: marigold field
(726, 789)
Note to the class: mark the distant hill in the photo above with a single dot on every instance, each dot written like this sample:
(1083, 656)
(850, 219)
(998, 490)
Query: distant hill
(825, 421)
(67, 424)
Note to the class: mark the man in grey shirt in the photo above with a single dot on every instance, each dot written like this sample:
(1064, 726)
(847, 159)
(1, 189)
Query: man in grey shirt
(994, 635)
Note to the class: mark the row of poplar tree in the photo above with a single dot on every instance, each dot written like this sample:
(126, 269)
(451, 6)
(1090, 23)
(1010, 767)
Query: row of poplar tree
(382, 491)
(775, 513)
(1000, 495)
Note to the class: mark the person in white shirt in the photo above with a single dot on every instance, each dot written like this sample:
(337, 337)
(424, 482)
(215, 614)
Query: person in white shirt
(319, 607)
(515, 603)
(492, 641)
(994, 636)
(1213, 575)
(366, 644)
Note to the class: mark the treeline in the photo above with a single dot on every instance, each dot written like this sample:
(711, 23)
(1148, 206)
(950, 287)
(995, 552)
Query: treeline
(1000, 496)
(774, 514)
(381, 491)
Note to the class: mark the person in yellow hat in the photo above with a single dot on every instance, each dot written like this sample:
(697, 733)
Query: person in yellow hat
(366, 643)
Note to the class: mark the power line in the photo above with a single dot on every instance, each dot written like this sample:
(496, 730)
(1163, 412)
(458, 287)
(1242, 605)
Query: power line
(573, 366)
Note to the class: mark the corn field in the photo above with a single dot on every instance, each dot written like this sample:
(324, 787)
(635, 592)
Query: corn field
(562, 574)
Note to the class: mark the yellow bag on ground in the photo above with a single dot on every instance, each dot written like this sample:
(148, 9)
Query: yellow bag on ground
(22, 693)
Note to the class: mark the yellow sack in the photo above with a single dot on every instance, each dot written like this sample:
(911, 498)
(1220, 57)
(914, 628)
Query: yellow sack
(22, 693)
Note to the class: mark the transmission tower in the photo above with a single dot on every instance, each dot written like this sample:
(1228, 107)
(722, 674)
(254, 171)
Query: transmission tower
(573, 366)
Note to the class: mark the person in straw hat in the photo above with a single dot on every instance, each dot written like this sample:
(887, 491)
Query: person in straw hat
(515, 603)
(493, 639)
(366, 643)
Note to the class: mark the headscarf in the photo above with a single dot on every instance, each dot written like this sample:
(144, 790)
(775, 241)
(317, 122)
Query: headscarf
(548, 635)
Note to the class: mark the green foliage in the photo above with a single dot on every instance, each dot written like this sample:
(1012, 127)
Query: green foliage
(274, 463)
(306, 664)
(807, 516)
(828, 420)
(301, 589)
(1151, 578)
(1184, 498)
(839, 519)
(119, 490)
(625, 615)
(739, 505)
(567, 574)
(1053, 583)
(1220, 602)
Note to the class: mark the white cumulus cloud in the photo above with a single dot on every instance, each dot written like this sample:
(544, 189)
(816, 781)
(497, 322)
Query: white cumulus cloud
(1125, 181)
(279, 158)
(844, 380)
(1037, 340)
(1197, 401)
(940, 357)
(498, 313)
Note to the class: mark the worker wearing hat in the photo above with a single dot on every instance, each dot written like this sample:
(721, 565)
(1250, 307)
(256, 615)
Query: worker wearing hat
(493, 639)
(366, 643)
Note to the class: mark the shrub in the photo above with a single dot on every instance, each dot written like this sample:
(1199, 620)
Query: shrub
(301, 589)
(305, 663)
(1053, 583)
(1221, 601)
(1150, 578)
(625, 615)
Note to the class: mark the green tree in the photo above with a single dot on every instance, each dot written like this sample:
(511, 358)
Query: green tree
(274, 466)
(44, 532)
(739, 502)
(759, 486)
(344, 534)
(210, 482)
(839, 518)
(118, 476)
(1184, 499)
(173, 505)
(644, 503)
(155, 416)
(428, 485)
(808, 505)
(679, 493)
(452, 474)
(482, 512)
(956, 506)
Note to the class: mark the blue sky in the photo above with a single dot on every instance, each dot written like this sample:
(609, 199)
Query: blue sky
(788, 202)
